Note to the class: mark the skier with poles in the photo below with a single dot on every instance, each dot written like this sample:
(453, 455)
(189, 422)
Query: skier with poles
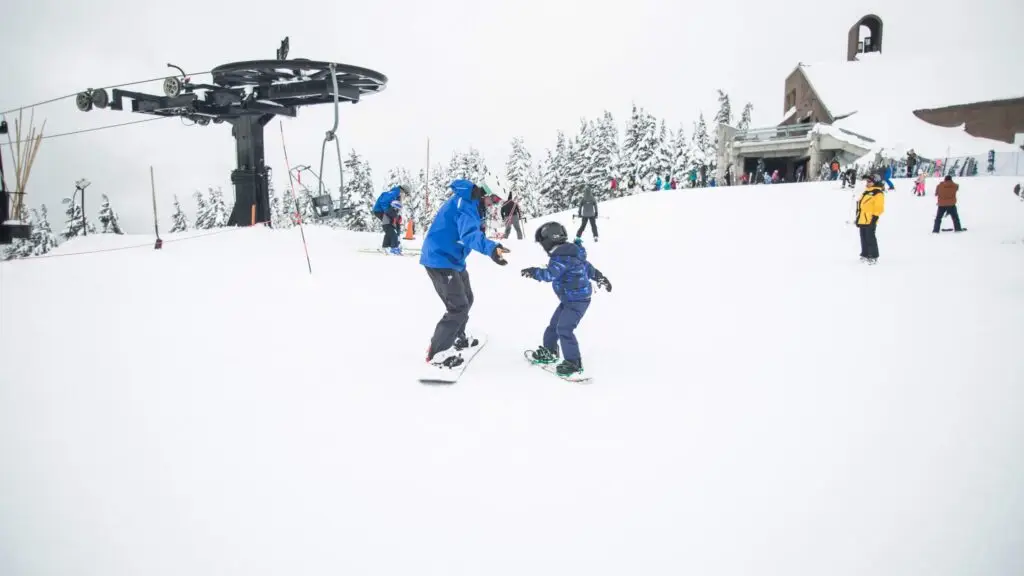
(511, 214)
(587, 213)
(570, 274)
(457, 229)
(388, 210)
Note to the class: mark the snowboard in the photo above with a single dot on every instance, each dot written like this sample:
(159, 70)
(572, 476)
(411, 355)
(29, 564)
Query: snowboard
(405, 252)
(952, 230)
(432, 375)
(550, 369)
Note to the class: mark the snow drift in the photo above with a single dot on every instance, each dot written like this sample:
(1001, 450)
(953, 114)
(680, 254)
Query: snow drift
(762, 403)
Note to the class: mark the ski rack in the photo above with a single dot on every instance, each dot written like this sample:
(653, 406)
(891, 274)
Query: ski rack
(247, 95)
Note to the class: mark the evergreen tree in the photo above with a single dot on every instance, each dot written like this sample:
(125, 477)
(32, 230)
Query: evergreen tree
(278, 219)
(702, 150)
(724, 115)
(646, 153)
(604, 155)
(745, 117)
(520, 176)
(681, 161)
(179, 222)
(202, 211)
(437, 193)
(43, 238)
(554, 181)
(73, 224)
(630, 148)
(23, 247)
(218, 209)
(108, 218)
(359, 196)
(664, 152)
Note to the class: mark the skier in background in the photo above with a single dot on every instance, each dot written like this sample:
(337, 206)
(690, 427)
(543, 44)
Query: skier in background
(919, 183)
(869, 209)
(888, 176)
(570, 274)
(849, 178)
(388, 209)
(511, 214)
(457, 229)
(588, 213)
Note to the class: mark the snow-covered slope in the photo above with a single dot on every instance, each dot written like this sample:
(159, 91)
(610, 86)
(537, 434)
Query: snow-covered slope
(762, 403)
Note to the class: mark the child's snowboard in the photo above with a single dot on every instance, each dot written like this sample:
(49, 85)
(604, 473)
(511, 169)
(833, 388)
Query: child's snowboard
(405, 251)
(550, 369)
(433, 375)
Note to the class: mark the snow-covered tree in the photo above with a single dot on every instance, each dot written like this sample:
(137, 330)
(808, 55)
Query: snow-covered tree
(681, 162)
(108, 218)
(436, 192)
(745, 117)
(278, 219)
(604, 155)
(359, 196)
(43, 238)
(703, 154)
(520, 177)
(664, 152)
(73, 223)
(211, 211)
(468, 165)
(22, 247)
(179, 222)
(724, 114)
(554, 182)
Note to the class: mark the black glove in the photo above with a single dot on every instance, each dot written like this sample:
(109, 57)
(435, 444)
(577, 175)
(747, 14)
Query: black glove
(498, 255)
(603, 282)
(529, 272)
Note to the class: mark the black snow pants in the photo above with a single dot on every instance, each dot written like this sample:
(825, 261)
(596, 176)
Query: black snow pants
(583, 226)
(941, 213)
(455, 292)
(390, 236)
(868, 241)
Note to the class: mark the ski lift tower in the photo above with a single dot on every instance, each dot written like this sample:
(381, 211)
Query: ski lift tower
(247, 95)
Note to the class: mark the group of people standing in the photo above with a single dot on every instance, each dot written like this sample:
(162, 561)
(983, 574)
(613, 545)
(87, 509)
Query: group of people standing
(872, 205)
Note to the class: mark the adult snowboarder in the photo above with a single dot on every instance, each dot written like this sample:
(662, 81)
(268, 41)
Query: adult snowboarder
(388, 209)
(869, 209)
(588, 213)
(457, 229)
(946, 193)
(511, 215)
(570, 274)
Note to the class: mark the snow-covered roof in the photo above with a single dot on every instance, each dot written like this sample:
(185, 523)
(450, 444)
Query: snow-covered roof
(789, 114)
(876, 97)
(912, 84)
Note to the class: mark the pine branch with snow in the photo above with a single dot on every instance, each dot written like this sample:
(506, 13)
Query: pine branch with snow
(745, 117)
(43, 238)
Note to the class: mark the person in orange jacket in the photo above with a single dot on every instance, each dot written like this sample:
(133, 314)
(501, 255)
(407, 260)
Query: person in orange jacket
(869, 209)
(946, 193)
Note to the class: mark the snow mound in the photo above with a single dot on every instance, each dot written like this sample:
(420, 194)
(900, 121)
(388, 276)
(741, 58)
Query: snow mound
(761, 403)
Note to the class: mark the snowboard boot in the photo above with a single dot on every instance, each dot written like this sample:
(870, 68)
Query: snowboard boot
(449, 358)
(464, 341)
(396, 250)
(569, 368)
(544, 355)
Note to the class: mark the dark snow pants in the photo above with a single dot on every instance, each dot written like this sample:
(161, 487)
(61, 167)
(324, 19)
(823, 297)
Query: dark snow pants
(941, 213)
(455, 292)
(390, 236)
(514, 221)
(560, 330)
(868, 241)
(583, 226)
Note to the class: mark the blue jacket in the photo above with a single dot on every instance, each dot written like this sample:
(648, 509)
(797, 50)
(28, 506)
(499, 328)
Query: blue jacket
(888, 172)
(569, 273)
(456, 231)
(384, 200)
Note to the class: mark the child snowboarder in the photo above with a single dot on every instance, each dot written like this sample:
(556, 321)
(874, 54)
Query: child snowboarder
(570, 275)
(870, 207)
(388, 209)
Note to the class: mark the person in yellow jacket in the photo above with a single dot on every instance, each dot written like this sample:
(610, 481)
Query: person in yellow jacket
(870, 207)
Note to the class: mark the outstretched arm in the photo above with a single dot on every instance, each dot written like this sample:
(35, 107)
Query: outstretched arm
(552, 272)
(472, 236)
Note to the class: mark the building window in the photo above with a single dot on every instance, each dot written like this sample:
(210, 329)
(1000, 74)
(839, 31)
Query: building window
(790, 99)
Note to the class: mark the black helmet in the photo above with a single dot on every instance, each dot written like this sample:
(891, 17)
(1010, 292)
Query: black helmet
(550, 235)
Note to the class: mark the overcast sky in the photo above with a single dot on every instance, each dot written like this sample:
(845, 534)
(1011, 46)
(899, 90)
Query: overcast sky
(461, 72)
